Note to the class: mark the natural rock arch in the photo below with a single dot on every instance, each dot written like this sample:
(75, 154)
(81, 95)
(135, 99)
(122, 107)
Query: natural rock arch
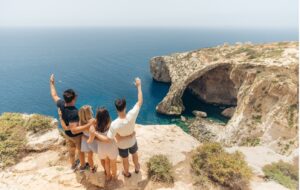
(172, 103)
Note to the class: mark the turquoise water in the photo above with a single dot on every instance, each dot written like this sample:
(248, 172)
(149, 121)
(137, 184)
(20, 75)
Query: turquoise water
(101, 63)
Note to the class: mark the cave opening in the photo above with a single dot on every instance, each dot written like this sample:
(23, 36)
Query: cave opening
(211, 92)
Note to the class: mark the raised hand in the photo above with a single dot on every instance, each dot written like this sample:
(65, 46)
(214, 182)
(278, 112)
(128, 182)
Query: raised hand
(138, 82)
(52, 78)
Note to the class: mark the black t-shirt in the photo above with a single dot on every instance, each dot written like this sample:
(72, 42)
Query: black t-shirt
(69, 115)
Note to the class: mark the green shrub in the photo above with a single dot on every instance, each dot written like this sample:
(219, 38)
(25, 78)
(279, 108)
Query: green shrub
(12, 138)
(291, 113)
(230, 170)
(160, 169)
(38, 123)
(11, 119)
(284, 173)
(251, 141)
(13, 129)
(257, 118)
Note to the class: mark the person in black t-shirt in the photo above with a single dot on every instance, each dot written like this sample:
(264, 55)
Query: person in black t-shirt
(69, 114)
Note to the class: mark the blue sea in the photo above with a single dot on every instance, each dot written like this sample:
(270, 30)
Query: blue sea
(101, 64)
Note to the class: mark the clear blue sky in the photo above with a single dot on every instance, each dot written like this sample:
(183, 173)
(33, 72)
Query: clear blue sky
(166, 13)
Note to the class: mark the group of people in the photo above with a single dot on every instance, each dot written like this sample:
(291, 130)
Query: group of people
(89, 134)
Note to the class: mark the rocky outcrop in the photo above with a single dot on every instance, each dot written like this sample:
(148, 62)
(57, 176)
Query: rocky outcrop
(200, 113)
(228, 112)
(41, 142)
(260, 80)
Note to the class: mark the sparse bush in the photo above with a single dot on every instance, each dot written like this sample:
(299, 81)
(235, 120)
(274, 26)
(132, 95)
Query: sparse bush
(257, 118)
(38, 123)
(291, 115)
(12, 138)
(284, 173)
(251, 141)
(11, 119)
(160, 169)
(13, 129)
(230, 170)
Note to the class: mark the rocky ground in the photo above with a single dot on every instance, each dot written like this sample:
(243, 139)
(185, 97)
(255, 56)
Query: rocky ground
(48, 168)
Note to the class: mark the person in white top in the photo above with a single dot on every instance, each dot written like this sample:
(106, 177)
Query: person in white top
(124, 126)
(107, 148)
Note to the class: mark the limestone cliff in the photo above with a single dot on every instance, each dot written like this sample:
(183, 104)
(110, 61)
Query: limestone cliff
(261, 81)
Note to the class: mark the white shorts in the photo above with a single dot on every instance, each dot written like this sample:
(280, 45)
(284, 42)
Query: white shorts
(109, 150)
(85, 147)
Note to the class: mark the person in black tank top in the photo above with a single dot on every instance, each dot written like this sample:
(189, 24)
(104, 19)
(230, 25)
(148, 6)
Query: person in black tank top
(69, 114)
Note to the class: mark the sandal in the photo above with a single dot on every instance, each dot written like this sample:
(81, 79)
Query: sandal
(128, 175)
(137, 170)
(74, 166)
(85, 167)
(94, 169)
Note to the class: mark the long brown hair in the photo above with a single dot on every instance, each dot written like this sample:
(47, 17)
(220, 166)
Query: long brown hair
(103, 120)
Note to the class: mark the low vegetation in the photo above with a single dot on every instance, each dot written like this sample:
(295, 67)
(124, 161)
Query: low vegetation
(12, 138)
(211, 163)
(284, 173)
(251, 141)
(38, 123)
(257, 118)
(291, 113)
(13, 129)
(160, 169)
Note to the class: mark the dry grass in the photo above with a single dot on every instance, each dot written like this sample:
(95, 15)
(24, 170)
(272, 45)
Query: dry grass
(160, 169)
(211, 163)
(284, 173)
(13, 130)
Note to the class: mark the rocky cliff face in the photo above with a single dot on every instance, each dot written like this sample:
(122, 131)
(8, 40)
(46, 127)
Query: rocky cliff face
(260, 80)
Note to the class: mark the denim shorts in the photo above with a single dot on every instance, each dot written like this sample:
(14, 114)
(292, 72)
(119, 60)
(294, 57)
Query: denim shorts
(124, 153)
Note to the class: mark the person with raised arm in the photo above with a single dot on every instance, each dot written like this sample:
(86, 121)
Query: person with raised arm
(69, 114)
(123, 126)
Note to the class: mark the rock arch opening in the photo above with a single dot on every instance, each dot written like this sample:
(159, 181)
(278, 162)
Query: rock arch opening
(215, 88)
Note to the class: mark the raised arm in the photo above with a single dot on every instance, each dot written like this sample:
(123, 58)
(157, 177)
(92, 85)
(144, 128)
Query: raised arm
(53, 90)
(138, 85)
(63, 124)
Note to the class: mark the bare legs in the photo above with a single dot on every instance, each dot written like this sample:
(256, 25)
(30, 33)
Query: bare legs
(72, 155)
(81, 158)
(113, 167)
(135, 159)
(110, 169)
(126, 166)
(107, 169)
(90, 159)
(103, 163)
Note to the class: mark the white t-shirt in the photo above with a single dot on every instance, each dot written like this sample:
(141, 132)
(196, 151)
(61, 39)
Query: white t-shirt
(125, 127)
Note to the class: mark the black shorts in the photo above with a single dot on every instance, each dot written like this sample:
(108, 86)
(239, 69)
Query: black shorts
(124, 152)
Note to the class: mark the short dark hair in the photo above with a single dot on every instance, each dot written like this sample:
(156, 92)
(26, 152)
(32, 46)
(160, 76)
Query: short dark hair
(69, 95)
(120, 104)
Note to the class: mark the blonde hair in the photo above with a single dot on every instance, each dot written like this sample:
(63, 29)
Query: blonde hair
(85, 113)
